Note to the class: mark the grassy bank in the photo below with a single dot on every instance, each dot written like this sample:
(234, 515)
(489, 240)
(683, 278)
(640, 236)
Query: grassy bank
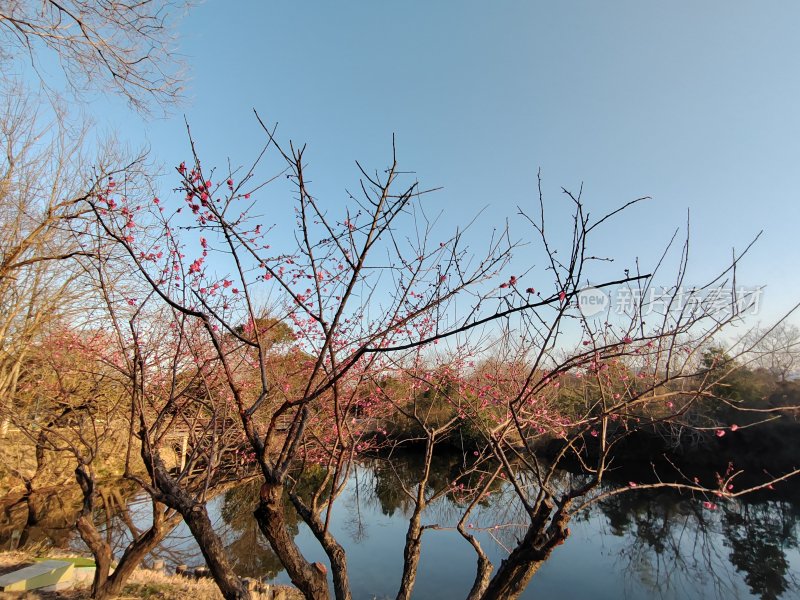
(144, 583)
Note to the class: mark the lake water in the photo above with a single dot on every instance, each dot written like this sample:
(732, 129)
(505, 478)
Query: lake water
(634, 546)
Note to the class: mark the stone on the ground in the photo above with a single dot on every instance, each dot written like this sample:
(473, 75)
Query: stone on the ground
(201, 572)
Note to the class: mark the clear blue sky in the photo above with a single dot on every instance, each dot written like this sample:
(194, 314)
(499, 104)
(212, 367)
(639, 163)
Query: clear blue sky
(692, 103)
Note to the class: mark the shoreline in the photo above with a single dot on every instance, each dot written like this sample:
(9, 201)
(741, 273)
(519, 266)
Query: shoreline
(143, 583)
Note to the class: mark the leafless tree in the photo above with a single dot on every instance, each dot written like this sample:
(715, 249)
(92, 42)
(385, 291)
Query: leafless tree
(776, 349)
(117, 46)
(43, 184)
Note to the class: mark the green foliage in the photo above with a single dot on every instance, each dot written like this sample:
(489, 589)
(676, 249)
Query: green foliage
(735, 387)
(271, 331)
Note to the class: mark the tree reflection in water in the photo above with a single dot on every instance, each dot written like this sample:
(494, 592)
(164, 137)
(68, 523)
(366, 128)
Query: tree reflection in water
(247, 549)
(667, 546)
(758, 536)
(678, 546)
(675, 546)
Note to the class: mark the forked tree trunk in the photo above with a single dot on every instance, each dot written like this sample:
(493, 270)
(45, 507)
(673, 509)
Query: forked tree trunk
(515, 572)
(89, 534)
(132, 558)
(309, 579)
(105, 584)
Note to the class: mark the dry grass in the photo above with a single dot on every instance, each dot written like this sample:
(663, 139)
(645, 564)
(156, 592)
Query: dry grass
(11, 561)
(142, 584)
(152, 584)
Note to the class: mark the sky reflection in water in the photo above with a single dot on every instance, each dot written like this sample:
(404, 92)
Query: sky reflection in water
(632, 546)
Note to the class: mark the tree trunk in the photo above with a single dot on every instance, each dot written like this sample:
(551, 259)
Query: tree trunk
(411, 554)
(335, 552)
(105, 585)
(229, 583)
(413, 546)
(338, 558)
(127, 564)
(310, 579)
(8, 389)
(484, 567)
(101, 552)
(136, 551)
(482, 575)
(511, 579)
(89, 534)
(196, 518)
(515, 572)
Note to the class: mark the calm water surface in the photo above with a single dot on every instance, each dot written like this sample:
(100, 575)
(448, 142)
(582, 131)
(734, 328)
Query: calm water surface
(633, 546)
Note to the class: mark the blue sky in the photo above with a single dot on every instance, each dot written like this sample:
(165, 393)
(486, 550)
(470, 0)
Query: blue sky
(692, 103)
